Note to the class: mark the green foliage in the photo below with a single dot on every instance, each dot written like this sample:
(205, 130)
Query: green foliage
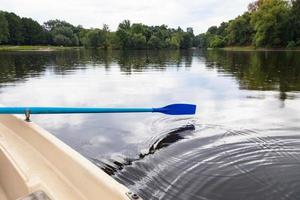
(291, 44)
(270, 21)
(61, 40)
(4, 31)
(15, 28)
(203, 40)
(210, 40)
(32, 31)
(187, 40)
(267, 23)
(62, 33)
(123, 34)
(216, 42)
(139, 41)
(240, 31)
(140, 36)
(215, 37)
(154, 42)
(52, 24)
(26, 31)
(222, 29)
(173, 42)
(196, 41)
(212, 30)
(94, 38)
(295, 20)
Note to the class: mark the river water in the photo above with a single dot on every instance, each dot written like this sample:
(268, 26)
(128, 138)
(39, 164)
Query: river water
(243, 143)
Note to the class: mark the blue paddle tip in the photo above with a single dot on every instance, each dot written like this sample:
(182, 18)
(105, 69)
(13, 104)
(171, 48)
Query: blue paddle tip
(177, 109)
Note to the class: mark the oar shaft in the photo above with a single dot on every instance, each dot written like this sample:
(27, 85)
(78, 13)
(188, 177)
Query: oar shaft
(64, 110)
(173, 109)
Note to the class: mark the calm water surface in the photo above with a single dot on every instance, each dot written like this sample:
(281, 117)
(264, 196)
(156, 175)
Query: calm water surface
(244, 142)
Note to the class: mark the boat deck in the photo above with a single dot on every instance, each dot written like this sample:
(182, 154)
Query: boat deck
(33, 160)
(2, 194)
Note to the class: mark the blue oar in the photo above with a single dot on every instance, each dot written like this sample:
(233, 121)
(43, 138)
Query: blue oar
(174, 109)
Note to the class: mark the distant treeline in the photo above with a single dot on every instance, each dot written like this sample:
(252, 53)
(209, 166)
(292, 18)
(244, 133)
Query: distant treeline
(15, 30)
(267, 23)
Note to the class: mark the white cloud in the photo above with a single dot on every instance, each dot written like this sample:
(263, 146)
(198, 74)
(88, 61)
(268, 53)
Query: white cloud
(199, 14)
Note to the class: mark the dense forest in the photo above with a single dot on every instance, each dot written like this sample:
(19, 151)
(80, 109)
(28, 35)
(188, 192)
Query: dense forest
(15, 30)
(266, 23)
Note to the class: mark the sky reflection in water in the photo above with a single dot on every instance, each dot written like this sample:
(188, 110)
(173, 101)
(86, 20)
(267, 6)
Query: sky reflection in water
(256, 93)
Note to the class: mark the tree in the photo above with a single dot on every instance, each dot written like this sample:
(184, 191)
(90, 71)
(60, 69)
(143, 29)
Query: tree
(60, 39)
(196, 41)
(186, 41)
(190, 30)
(82, 36)
(267, 23)
(95, 38)
(270, 20)
(107, 36)
(15, 28)
(222, 29)
(154, 42)
(52, 24)
(254, 6)
(139, 41)
(240, 30)
(295, 21)
(216, 42)
(46, 37)
(212, 30)
(173, 42)
(4, 31)
(125, 25)
(63, 35)
(203, 40)
(138, 28)
(123, 33)
(32, 31)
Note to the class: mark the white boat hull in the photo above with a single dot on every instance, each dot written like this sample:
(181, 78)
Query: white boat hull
(32, 159)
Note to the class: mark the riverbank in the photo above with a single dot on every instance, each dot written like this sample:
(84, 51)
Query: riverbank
(60, 48)
(34, 48)
(252, 48)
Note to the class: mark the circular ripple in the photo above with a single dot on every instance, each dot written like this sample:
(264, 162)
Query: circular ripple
(210, 162)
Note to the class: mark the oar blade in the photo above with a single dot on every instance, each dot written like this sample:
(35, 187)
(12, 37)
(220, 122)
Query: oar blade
(177, 109)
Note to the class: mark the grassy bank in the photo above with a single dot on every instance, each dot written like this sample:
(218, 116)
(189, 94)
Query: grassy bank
(252, 48)
(34, 48)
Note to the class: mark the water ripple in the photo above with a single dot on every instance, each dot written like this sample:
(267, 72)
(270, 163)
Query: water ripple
(195, 161)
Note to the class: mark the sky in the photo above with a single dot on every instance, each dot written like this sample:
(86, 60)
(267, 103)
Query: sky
(199, 14)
